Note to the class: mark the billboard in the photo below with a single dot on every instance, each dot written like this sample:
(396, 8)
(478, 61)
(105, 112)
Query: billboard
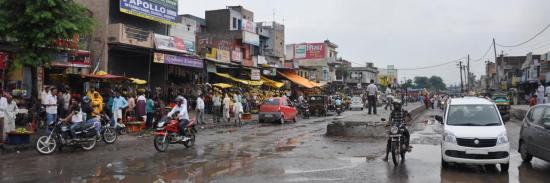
(177, 60)
(309, 51)
(163, 11)
(251, 38)
(169, 43)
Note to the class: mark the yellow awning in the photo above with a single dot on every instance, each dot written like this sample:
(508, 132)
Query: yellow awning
(222, 85)
(246, 82)
(298, 79)
(137, 81)
(271, 83)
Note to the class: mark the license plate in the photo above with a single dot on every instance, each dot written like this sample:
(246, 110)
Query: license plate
(268, 115)
(474, 151)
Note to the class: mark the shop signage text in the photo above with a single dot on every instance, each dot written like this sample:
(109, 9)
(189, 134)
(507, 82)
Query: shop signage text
(309, 51)
(164, 11)
(255, 74)
(177, 60)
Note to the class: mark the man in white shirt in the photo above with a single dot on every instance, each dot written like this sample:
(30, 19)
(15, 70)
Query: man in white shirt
(183, 116)
(3, 108)
(200, 110)
(371, 96)
(51, 107)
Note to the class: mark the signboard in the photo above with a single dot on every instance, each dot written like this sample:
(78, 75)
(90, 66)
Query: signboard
(163, 11)
(249, 26)
(224, 56)
(177, 60)
(213, 55)
(236, 55)
(169, 43)
(309, 51)
(251, 38)
(255, 74)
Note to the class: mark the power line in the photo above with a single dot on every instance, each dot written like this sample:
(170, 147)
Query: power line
(516, 45)
(484, 55)
(432, 66)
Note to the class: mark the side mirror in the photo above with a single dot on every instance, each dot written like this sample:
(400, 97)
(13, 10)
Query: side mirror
(383, 119)
(439, 118)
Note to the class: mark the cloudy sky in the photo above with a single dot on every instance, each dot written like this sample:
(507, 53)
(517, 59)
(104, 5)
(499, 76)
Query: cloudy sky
(405, 33)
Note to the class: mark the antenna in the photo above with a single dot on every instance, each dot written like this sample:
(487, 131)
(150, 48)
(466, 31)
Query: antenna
(273, 14)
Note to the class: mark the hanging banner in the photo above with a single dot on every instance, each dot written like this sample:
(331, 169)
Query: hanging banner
(169, 43)
(163, 11)
(177, 60)
(255, 74)
(236, 56)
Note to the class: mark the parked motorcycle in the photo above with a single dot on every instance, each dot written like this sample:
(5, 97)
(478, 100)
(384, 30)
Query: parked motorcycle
(168, 131)
(60, 136)
(397, 147)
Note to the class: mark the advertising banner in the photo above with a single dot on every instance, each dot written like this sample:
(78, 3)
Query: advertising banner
(249, 26)
(163, 11)
(236, 55)
(309, 51)
(224, 56)
(213, 55)
(251, 38)
(177, 60)
(255, 74)
(169, 43)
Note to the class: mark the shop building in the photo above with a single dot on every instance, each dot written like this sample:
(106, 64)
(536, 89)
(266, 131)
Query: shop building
(315, 56)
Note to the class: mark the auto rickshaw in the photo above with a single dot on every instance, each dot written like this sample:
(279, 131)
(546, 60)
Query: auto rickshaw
(318, 104)
(503, 103)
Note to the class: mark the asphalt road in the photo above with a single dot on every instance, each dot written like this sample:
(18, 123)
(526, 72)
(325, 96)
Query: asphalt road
(297, 152)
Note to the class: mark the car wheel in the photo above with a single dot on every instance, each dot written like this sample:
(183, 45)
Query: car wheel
(294, 120)
(525, 156)
(260, 120)
(444, 164)
(282, 120)
(504, 167)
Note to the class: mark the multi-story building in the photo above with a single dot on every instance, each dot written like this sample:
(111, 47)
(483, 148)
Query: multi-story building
(360, 77)
(272, 44)
(531, 69)
(509, 70)
(314, 58)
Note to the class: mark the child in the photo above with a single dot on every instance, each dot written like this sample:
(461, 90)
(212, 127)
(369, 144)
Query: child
(533, 101)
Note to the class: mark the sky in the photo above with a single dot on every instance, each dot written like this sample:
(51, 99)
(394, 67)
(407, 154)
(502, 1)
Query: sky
(407, 34)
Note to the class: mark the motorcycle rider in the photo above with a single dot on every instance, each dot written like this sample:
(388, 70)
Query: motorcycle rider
(183, 116)
(338, 102)
(75, 117)
(398, 115)
(91, 116)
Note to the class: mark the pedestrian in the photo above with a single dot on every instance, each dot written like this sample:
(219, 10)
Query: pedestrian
(60, 104)
(216, 110)
(3, 107)
(200, 110)
(540, 94)
(51, 107)
(141, 103)
(237, 111)
(97, 104)
(119, 103)
(533, 101)
(66, 99)
(150, 110)
(432, 101)
(226, 104)
(9, 115)
(130, 110)
(372, 96)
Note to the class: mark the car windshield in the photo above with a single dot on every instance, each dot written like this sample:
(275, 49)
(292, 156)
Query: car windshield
(473, 115)
(356, 99)
(271, 101)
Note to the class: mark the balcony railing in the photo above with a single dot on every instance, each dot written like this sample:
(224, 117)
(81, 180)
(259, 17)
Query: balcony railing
(125, 34)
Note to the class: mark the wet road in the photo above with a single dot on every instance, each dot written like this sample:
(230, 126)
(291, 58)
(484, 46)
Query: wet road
(262, 153)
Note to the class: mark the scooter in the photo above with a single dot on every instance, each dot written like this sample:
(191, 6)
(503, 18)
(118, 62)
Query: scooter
(168, 131)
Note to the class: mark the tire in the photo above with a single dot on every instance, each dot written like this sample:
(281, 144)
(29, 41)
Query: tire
(282, 121)
(45, 147)
(260, 120)
(294, 120)
(190, 143)
(444, 164)
(89, 145)
(525, 156)
(161, 143)
(504, 167)
(394, 154)
(109, 135)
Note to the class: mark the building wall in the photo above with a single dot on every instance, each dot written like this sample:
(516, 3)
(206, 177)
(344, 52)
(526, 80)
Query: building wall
(218, 20)
(98, 39)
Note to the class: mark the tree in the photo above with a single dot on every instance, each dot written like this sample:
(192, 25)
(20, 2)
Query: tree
(410, 84)
(422, 82)
(34, 26)
(437, 83)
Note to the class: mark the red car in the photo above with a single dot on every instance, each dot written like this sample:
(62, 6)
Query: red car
(277, 109)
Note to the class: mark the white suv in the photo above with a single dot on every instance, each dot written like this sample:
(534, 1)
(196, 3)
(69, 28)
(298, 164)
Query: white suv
(474, 133)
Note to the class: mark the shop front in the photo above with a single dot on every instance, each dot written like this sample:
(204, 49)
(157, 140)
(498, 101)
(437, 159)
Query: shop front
(172, 75)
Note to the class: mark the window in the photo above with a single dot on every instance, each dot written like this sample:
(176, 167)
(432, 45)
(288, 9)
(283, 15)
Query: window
(271, 101)
(284, 103)
(240, 24)
(545, 118)
(535, 114)
(473, 115)
(234, 23)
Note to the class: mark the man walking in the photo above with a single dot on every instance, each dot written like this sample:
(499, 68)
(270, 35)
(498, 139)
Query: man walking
(371, 96)
(51, 107)
(200, 110)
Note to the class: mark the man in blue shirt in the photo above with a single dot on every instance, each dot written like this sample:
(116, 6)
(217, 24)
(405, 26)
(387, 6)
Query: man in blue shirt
(119, 103)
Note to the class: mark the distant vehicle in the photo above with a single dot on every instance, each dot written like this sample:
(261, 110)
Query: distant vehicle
(474, 133)
(356, 103)
(277, 109)
(503, 103)
(319, 104)
(535, 134)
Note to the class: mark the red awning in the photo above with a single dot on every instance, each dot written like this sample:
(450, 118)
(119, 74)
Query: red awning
(104, 76)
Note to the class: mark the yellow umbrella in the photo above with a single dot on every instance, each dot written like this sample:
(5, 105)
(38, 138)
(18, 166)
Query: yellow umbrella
(222, 85)
(137, 81)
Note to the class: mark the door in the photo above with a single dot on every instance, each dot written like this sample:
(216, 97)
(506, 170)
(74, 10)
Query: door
(542, 136)
(533, 117)
(285, 109)
(292, 109)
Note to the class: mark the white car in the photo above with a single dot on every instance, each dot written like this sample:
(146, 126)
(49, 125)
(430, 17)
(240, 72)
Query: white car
(356, 103)
(474, 133)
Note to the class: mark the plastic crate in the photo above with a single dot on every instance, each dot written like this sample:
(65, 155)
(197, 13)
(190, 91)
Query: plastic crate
(18, 139)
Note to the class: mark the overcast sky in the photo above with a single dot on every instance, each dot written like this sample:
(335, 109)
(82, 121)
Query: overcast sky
(405, 33)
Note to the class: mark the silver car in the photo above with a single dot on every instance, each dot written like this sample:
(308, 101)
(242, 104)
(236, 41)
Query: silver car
(534, 140)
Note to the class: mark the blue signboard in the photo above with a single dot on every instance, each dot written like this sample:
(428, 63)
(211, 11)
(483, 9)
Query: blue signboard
(164, 11)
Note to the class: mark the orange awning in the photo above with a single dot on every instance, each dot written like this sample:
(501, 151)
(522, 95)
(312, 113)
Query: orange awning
(298, 79)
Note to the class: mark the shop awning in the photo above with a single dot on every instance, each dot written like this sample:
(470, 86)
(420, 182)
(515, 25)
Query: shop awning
(103, 75)
(222, 85)
(271, 83)
(298, 79)
(246, 82)
(137, 81)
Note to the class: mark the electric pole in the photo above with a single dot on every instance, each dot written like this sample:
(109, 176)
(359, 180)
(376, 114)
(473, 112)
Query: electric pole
(496, 65)
(468, 88)
(460, 67)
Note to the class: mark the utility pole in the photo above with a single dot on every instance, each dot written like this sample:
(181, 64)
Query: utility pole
(461, 81)
(497, 85)
(468, 75)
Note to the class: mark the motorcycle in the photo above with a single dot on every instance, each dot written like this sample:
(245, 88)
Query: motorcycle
(397, 143)
(339, 109)
(168, 131)
(304, 110)
(60, 135)
(108, 133)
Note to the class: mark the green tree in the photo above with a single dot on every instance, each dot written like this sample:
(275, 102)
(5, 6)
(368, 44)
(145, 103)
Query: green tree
(437, 83)
(410, 83)
(33, 26)
(422, 82)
